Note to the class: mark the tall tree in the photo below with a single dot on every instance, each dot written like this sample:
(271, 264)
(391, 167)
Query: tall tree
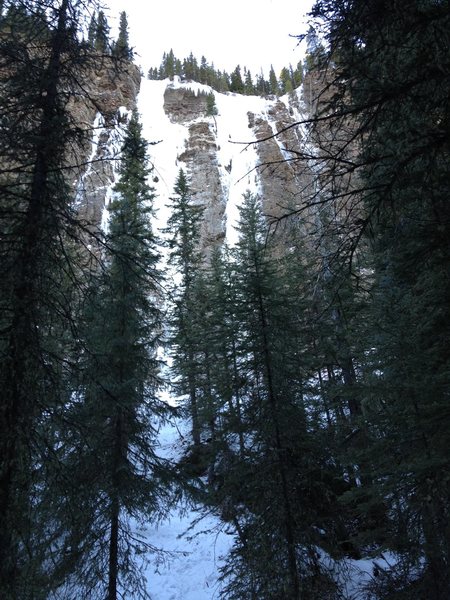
(183, 229)
(119, 405)
(236, 83)
(390, 80)
(101, 42)
(38, 276)
(273, 82)
(121, 48)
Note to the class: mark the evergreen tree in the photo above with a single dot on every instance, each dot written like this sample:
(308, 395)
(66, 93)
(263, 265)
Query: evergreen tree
(265, 411)
(286, 84)
(101, 42)
(121, 48)
(262, 86)
(249, 88)
(169, 65)
(203, 70)
(389, 76)
(297, 75)
(120, 404)
(190, 67)
(236, 83)
(183, 228)
(211, 107)
(92, 30)
(39, 284)
(273, 82)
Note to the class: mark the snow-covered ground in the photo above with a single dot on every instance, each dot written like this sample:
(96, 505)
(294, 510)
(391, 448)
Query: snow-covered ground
(190, 574)
(196, 545)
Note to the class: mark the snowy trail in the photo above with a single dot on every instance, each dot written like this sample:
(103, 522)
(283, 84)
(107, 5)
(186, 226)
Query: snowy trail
(192, 572)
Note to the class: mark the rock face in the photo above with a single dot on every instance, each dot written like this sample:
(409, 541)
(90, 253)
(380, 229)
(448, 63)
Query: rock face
(183, 104)
(212, 150)
(214, 171)
(201, 161)
(110, 92)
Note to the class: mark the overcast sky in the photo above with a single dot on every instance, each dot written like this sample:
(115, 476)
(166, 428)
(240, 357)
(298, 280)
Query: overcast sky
(254, 33)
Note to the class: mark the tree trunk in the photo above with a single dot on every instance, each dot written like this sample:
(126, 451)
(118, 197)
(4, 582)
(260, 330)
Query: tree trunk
(118, 458)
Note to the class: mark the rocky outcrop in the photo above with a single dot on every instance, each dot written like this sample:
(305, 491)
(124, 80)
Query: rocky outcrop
(219, 166)
(183, 104)
(200, 158)
(110, 90)
(285, 174)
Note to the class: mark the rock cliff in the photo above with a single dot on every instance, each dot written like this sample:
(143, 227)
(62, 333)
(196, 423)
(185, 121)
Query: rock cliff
(223, 155)
(228, 153)
(110, 91)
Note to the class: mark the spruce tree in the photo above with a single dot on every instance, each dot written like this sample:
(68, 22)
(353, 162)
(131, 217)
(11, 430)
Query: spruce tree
(248, 84)
(101, 42)
(120, 407)
(236, 83)
(38, 283)
(211, 107)
(389, 75)
(273, 82)
(121, 48)
(183, 229)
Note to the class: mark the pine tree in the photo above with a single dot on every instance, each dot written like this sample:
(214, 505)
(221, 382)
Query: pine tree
(236, 83)
(120, 404)
(101, 42)
(390, 76)
(92, 30)
(286, 84)
(121, 48)
(249, 88)
(297, 75)
(183, 229)
(38, 285)
(273, 82)
(211, 107)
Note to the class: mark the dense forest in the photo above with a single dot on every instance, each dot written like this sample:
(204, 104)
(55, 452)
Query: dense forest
(311, 359)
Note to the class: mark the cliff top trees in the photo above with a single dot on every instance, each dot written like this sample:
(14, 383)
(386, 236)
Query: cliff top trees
(121, 48)
(240, 81)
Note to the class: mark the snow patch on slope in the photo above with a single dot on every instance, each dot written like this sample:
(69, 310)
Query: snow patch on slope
(237, 155)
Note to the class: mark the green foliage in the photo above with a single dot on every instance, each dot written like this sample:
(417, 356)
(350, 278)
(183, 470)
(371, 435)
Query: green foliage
(391, 76)
(118, 398)
(266, 457)
(40, 287)
(236, 83)
(239, 81)
(101, 39)
(183, 229)
(273, 82)
(98, 34)
(211, 107)
(121, 48)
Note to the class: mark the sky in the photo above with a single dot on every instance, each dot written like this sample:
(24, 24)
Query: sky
(252, 33)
